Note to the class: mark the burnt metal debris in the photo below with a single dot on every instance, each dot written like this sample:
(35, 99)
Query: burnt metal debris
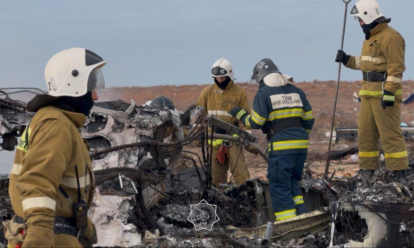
(13, 117)
(147, 180)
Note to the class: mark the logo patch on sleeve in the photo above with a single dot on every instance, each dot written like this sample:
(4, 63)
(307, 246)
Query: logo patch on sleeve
(286, 101)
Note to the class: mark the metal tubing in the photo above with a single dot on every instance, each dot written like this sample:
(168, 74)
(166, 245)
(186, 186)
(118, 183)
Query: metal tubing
(337, 90)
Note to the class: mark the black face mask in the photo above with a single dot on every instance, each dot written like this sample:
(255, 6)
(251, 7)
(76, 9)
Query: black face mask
(366, 28)
(82, 105)
(223, 85)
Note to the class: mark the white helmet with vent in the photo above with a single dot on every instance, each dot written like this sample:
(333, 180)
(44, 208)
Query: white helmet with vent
(367, 10)
(74, 72)
(222, 68)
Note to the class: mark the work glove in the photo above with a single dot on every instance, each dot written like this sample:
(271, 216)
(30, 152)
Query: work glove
(222, 155)
(342, 57)
(388, 99)
(252, 149)
(186, 116)
(238, 112)
(38, 236)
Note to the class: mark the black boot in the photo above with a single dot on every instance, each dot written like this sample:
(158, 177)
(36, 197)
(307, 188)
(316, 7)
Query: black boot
(400, 176)
(366, 177)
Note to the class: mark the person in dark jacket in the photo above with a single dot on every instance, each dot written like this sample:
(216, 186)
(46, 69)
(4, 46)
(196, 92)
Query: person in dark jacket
(284, 114)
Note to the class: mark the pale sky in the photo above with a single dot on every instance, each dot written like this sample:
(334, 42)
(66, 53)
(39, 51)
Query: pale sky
(176, 42)
(162, 42)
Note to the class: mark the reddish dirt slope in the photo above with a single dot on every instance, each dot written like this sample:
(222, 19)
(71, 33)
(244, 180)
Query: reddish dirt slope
(320, 94)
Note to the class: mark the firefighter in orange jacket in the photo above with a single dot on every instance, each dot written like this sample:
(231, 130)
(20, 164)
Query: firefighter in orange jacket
(52, 163)
(382, 63)
(217, 100)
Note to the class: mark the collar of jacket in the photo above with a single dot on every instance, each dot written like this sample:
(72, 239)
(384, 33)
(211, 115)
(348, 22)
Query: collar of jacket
(229, 86)
(76, 118)
(379, 28)
(277, 80)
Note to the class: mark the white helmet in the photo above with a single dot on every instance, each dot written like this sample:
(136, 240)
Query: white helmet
(367, 10)
(74, 72)
(222, 68)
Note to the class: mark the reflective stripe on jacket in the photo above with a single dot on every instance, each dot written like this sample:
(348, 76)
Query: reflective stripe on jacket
(219, 102)
(384, 51)
(275, 104)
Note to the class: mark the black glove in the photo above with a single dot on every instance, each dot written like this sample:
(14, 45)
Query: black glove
(186, 116)
(238, 112)
(342, 57)
(388, 99)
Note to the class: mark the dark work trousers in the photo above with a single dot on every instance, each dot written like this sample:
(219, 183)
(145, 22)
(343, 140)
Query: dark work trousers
(284, 173)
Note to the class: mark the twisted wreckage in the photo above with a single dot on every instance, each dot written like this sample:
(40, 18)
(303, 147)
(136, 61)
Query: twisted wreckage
(148, 184)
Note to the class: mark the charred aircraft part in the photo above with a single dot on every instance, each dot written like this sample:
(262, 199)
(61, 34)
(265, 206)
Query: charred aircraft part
(116, 123)
(6, 211)
(129, 181)
(13, 120)
(247, 205)
(381, 215)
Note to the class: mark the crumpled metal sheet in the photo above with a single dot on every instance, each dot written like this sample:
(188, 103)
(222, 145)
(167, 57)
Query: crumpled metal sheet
(114, 127)
(114, 124)
(13, 119)
(110, 215)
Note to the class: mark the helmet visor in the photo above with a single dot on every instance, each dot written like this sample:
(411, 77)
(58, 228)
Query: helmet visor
(218, 71)
(96, 80)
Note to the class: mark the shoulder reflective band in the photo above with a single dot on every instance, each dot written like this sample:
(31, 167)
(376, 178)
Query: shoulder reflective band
(394, 79)
(71, 182)
(218, 112)
(16, 169)
(378, 60)
(357, 62)
(39, 202)
(241, 113)
(257, 118)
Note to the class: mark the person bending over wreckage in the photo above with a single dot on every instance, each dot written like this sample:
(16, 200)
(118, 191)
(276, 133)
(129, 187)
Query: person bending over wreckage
(218, 99)
(283, 113)
(382, 65)
(51, 182)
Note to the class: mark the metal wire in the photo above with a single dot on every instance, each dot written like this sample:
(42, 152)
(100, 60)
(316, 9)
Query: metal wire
(24, 88)
(241, 149)
(199, 159)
